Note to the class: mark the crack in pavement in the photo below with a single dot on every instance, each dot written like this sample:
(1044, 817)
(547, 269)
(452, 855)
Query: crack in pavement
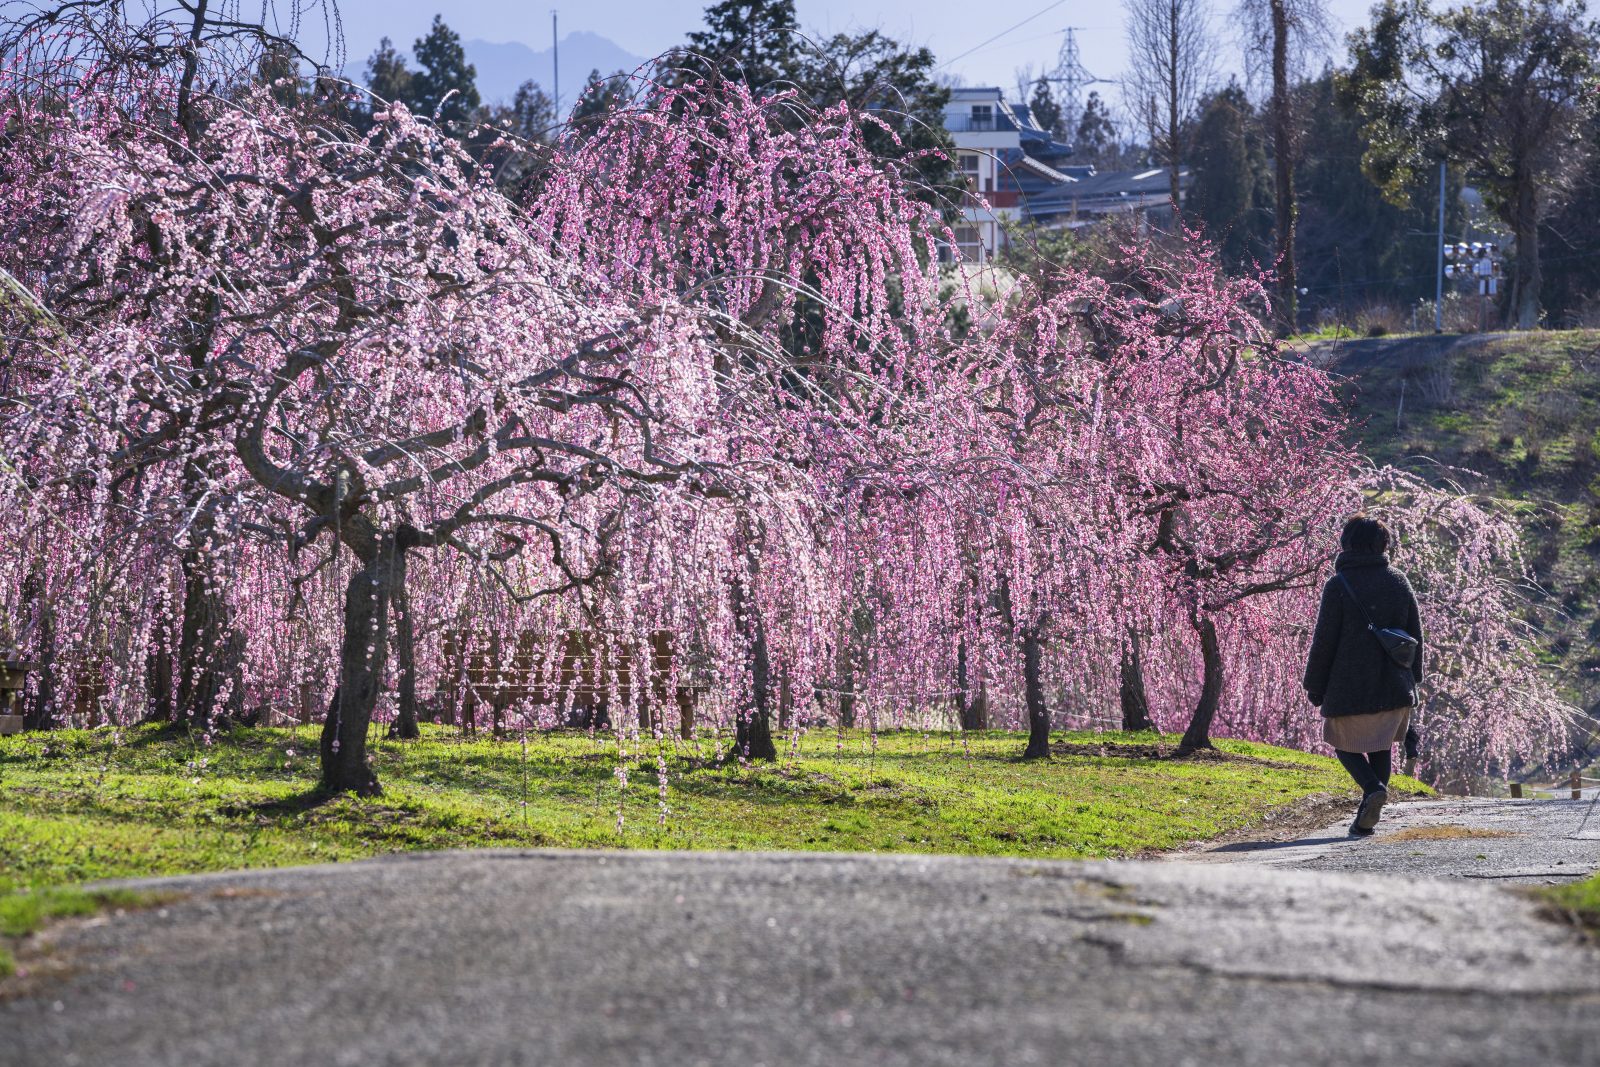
(1290, 954)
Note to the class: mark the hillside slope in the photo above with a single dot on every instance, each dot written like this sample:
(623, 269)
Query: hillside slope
(1513, 416)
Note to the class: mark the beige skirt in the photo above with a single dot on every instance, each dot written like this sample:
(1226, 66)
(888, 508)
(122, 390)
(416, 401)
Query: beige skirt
(1374, 732)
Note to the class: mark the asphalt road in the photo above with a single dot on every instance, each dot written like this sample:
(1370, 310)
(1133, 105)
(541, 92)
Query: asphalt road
(1356, 355)
(724, 958)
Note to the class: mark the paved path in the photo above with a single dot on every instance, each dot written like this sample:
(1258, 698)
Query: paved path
(680, 959)
(1537, 842)
(1353, 356)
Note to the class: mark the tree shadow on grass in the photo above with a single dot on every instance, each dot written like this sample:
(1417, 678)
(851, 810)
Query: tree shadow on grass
(295, 804)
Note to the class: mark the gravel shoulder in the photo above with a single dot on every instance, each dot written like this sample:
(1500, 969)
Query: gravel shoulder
(1535, 842)
(583, 958)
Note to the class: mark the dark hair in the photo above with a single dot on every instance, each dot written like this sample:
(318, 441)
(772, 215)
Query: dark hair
(1365, 535)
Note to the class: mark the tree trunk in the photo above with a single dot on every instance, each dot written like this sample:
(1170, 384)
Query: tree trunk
(1135, 704)
(752, 739)
(686, 701)
(1175, 60)
(158, 672)
(40, 712)
(847, 699)
(847, 678)
(209, 650)
(1285, 211)
(191, 67)
(1529, 276)
(785, 702)
(405, 654)
(973, 706)
(1198, 735)
(1033, 684)
(362, 657)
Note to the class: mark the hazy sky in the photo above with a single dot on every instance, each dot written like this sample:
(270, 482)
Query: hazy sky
(647, 27)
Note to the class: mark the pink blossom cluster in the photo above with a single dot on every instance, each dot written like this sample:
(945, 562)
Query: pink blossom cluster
(300, 420)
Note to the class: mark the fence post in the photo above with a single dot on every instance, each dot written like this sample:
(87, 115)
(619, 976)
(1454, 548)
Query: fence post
(1577, 786)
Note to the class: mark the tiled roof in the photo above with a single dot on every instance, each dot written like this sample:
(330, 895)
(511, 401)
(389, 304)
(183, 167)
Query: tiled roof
(1109, 189)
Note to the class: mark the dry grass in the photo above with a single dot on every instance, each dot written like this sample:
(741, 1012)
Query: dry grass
(1448, 832)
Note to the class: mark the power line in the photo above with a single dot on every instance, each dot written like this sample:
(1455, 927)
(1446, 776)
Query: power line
(1002, 33)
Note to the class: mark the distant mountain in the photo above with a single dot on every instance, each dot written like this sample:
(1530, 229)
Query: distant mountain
(503, 67)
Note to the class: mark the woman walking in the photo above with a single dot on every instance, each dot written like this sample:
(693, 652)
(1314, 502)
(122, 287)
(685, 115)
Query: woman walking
(1358, 671)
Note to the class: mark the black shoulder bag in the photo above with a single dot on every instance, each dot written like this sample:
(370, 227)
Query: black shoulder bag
(1401, 650)
(1399, 646)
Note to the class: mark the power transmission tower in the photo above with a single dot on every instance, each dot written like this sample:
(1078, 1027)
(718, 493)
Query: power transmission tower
(1072, 77)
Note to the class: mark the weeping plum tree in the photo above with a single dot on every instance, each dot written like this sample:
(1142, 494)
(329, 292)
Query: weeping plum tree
(1168, 441)
(397, 367)
(1245, 464)
(160, 61)
(1489, 709)
(713, 191)
(424, 406)
(400, 360)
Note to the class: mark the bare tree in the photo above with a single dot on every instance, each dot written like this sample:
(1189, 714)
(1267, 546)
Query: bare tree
(1170, 67)
(1025, 76)
(1502, 88)
(1279, 35)
(196, 43)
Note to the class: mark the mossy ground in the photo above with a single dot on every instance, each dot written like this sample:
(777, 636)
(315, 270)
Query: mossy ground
(24, 911)
(1580, 902)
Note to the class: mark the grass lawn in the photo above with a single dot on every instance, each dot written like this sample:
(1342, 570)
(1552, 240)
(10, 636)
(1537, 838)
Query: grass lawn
(82, 805)
(76, 806)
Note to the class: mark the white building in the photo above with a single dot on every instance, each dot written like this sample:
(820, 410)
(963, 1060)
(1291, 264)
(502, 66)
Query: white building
(1016, 171)
(1005, 156)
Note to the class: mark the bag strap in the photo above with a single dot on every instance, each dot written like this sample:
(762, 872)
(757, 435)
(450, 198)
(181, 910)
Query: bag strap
(1348, 589)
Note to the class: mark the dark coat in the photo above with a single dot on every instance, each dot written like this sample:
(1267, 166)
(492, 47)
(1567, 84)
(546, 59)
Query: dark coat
(1347, 670)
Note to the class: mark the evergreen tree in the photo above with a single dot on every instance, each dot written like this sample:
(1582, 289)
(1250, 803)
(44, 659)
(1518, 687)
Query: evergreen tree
(532, 114)
(600, 97)
(1571, 235)
(279, 67)
(387, 74)
(447, 83)
(513, 136)
(1096, 139)
(1232, 191)
(872, 72)
(1046, 112)
(754, 41)
(759, 42)
(1355, 247)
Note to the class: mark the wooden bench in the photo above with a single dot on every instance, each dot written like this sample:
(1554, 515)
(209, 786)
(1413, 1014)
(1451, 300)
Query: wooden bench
(588, 673)
(13, 677)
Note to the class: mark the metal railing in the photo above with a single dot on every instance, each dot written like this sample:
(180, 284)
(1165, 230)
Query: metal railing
(1573, 787)
(971, 123)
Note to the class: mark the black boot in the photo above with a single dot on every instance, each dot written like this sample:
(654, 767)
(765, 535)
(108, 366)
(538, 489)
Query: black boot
(1369, 811)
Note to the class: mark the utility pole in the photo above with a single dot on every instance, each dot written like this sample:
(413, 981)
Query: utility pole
(555, 62)
(1438, 285)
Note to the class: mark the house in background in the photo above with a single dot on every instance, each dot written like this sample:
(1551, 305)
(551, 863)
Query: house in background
(1015, 171)
(1005, 157)
(1092, 198)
